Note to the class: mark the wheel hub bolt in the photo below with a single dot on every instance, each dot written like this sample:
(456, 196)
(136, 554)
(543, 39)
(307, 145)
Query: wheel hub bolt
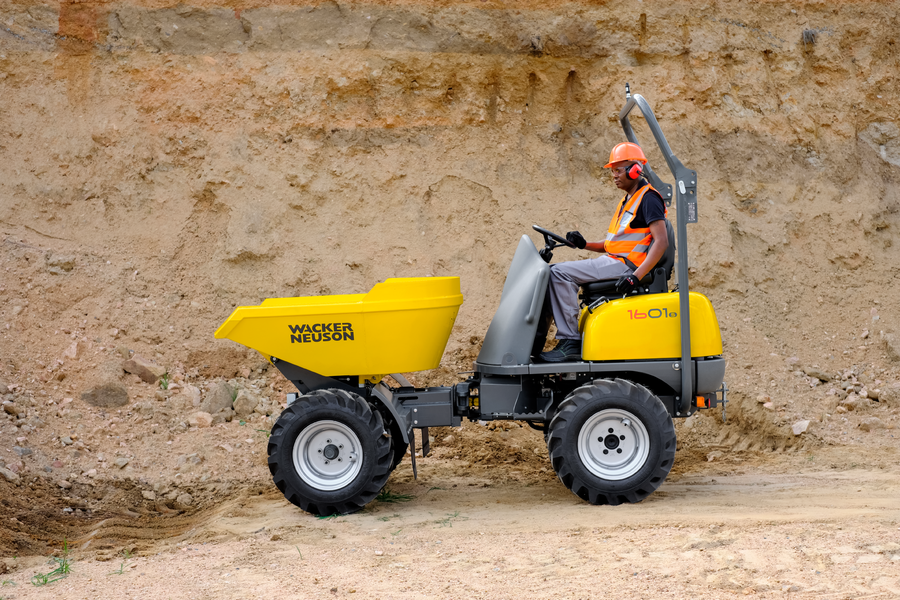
(331, 452)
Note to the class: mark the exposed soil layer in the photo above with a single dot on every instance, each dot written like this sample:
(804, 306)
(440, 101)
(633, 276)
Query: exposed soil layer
(163, 163)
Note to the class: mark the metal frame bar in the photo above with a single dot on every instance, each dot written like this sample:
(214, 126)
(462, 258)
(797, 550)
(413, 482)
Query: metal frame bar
(685, 211)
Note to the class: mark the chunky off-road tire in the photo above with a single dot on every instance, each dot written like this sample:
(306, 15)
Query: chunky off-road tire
(612, 442)
(329, 452)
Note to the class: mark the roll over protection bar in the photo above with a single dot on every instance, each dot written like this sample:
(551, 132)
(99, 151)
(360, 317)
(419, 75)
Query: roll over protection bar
(685, 212)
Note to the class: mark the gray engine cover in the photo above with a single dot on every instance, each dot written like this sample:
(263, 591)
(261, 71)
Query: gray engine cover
(509, 338)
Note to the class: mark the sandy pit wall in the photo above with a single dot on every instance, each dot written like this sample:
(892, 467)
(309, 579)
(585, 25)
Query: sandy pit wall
(194, 157)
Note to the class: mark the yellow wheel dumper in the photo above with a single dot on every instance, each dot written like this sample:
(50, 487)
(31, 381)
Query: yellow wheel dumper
(607, 418)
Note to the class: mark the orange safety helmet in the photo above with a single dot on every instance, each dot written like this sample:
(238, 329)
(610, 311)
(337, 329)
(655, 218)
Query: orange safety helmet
(626, 151)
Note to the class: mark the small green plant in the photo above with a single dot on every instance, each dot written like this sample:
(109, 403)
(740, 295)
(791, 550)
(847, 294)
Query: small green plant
(393, 516)
(323, 517)
(126, 554)
(448, 520)
(265, 431)
(242, 422)
(165, 380)
(386, 495)
(62, 570)
(298, 552)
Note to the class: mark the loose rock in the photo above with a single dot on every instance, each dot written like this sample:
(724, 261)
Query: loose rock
(870, 423)
(73, 351)
(219, 397)
(889, 395)
(800, 427)
(59, 264)
(185, 499)
(891, 345)
(11, 408)
(148, 494)
(817, 373)
(851, 402)
(66, 485)
(8, 475)
(22, 451)
(223, 416)
(245, 403)
(108, 395)
(200, 419)
(121, 462)
(144, 368)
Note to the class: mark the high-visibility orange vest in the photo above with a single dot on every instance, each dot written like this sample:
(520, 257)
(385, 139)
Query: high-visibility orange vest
(624, 242)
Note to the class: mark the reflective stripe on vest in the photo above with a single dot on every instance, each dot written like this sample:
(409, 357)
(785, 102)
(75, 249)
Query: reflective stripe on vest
(624, 242)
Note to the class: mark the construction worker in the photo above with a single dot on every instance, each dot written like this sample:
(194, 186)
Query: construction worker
(635, 241)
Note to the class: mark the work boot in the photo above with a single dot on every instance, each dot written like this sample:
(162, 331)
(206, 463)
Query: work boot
(565, 351)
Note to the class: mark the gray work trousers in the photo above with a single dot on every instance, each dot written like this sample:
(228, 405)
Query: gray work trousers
(566, 277)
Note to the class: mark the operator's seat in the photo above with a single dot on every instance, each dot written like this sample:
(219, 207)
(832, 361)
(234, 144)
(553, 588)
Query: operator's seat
(656, 281)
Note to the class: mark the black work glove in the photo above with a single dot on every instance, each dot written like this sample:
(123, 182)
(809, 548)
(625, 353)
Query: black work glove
(627, 284)
(576, 239)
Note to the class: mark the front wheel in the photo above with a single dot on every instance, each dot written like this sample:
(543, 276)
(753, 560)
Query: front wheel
(612, 442)
(329, 452)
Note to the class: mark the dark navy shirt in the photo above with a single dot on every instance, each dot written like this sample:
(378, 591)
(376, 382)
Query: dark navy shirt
(651, 209)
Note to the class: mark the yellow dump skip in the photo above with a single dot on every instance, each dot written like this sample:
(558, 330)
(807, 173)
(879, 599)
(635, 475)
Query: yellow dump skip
(647, 327)
(401, 325)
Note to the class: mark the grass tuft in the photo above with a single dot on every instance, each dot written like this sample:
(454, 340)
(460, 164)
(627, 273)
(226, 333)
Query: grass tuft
(126, 554)
(62, 570)
(165, 380)
(386, 495)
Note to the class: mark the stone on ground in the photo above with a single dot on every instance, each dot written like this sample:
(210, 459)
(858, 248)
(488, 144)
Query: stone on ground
(144, 368)
(219, 397)
(107, 395)
(245, 403)
(870, 423)
(200, 419)
(800, 427)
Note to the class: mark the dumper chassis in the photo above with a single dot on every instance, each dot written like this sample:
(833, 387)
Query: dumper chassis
(607, 419)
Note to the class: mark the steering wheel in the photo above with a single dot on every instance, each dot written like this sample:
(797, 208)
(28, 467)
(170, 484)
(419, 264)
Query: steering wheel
(549, 235)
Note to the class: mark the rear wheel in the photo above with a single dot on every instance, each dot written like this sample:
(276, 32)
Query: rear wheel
(329, 452)
(612, 442)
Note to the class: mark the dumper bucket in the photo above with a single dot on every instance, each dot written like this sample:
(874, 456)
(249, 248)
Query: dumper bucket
(401, 325)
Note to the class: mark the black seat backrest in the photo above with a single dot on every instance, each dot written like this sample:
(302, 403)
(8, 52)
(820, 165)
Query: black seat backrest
(667, 262)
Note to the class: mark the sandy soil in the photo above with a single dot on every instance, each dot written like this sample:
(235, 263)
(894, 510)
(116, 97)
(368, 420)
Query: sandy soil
(161, 164)
(759, 525)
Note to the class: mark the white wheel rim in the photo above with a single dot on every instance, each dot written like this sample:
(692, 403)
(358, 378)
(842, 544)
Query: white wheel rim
(327, 455)
(613, 444)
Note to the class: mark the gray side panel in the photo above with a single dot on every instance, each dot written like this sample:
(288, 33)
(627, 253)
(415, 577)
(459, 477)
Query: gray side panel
(429, 407)
(499, 395)
(509, 338)
(710, 375)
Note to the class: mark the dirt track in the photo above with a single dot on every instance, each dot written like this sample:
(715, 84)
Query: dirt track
(708, 533)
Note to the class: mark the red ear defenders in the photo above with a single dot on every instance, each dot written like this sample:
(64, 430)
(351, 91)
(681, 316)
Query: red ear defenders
(634, 171)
